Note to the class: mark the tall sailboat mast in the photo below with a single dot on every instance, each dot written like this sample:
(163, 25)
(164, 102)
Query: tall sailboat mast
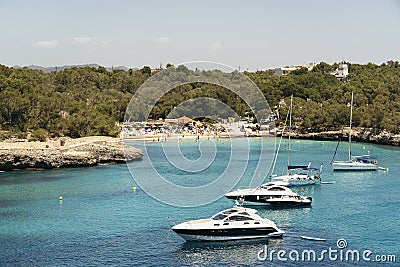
(351, 118)
(290, 127)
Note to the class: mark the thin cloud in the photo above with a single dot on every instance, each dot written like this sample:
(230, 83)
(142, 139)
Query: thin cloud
(216, 46)
(103, 42)
(163, 40)
(81, 40)
(46, 44)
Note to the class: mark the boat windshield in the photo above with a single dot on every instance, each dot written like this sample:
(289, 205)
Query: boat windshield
(230, 211)
(219, 216)
(277, 189)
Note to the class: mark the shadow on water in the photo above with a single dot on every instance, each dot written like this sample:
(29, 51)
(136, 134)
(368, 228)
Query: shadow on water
(240, 252)
(234, 244)
(35, 176)
(53, 175)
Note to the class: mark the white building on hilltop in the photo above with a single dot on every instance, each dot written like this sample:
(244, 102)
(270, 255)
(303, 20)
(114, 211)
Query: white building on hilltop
(342, 71)
(286, 70)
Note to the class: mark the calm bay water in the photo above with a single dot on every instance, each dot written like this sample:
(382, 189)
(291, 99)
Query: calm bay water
(101, 221)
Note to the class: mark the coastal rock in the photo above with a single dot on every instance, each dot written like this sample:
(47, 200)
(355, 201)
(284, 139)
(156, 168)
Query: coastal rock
(81, 152)
(358, 134)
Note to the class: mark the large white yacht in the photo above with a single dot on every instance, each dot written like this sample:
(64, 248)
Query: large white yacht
(231, 224)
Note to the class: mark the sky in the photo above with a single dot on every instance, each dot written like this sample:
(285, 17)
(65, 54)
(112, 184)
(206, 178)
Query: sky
(254, 35)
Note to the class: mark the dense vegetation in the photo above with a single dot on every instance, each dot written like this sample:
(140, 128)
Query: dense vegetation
(84, 101)
(74, 102)
(321, 101)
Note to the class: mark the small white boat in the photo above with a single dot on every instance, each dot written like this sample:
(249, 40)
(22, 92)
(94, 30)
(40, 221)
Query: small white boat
(236, 223)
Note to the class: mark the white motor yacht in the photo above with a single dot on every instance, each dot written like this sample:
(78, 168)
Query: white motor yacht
(262, 194)
(231, 224)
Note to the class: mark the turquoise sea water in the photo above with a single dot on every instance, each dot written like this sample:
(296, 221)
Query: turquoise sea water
(102, 221)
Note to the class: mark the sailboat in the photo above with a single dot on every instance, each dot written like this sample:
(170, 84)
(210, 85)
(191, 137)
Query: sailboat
(354, 163)
(297, 175)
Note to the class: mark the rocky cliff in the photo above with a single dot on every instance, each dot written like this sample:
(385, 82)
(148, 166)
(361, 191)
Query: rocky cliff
(87, 151)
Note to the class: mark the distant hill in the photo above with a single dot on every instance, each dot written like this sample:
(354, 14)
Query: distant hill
(58, 68)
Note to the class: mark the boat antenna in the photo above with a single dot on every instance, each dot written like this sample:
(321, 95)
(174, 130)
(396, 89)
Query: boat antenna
(351, 118)
(290, 128)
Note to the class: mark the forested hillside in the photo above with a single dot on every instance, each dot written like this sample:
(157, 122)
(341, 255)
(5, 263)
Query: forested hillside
(321, 101)
(84, 101)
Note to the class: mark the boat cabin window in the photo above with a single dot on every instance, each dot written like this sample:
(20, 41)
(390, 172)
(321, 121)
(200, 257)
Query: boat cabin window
(244, 213)
(239, 218)
(277, 189)
(219, 216)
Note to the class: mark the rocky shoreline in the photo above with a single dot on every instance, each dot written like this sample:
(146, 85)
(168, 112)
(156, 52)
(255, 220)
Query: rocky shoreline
(66, 152)
(91, 151)
(359, 134)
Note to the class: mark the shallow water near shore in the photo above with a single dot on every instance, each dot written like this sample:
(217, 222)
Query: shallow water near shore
(102, 221)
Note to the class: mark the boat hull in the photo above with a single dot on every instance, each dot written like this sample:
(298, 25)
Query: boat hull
(296, 180)
(228, 234)
(248, 203)
(311, 181)
(251, 200)
(281, 203)
(354, 166)
(270, 201)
